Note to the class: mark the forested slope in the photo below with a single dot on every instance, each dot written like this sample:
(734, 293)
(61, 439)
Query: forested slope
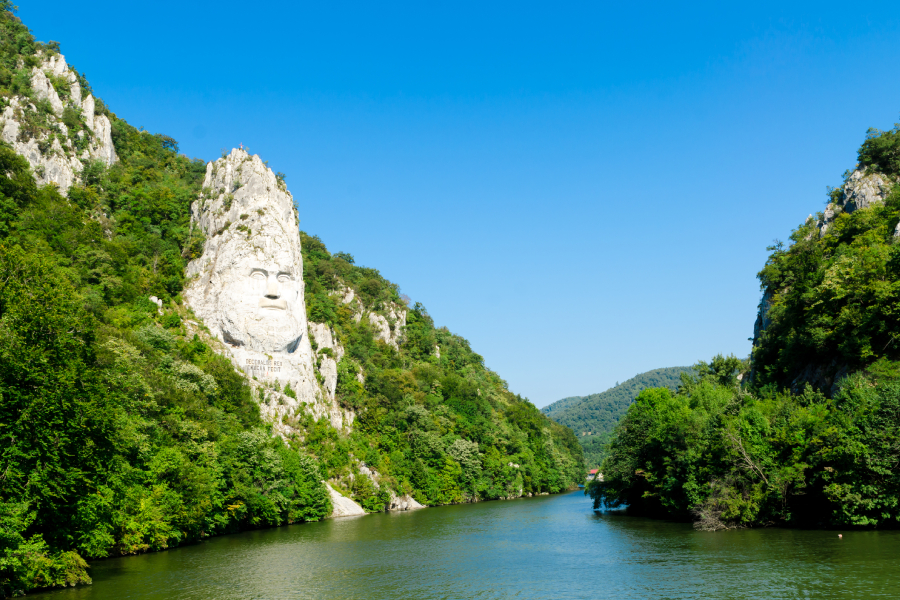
(431, 418)
(593, 417)
(123, 432)
(812, 438)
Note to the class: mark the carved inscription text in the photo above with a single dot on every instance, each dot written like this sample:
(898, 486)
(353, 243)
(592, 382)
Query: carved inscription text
(265, 366)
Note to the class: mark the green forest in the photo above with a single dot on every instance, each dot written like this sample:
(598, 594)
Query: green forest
(594, 417)
(124, 434)
(443, 428)
(810, 435)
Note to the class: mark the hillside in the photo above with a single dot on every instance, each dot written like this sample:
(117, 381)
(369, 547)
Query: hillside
(593, 417)
(809, 435)
(137, 416)
(830, 296)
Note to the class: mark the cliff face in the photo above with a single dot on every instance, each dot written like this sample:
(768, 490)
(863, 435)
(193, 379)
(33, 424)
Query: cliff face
(57, 130)
(202, 364)
(810, 295)
(863, 189)
(247, 287)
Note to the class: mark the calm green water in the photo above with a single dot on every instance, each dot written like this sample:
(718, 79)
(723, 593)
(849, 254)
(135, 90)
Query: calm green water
(548, 547)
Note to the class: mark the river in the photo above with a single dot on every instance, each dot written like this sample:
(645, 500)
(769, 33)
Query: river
(546, 547)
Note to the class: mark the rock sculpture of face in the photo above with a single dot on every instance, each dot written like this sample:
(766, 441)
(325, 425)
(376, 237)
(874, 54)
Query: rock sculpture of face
(261, 300)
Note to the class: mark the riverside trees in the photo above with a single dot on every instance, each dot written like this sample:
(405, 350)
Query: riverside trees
(811, 436)
(723, 457)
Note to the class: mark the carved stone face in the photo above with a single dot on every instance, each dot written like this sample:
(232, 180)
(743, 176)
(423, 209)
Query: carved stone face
(261, 303)
(247, 287)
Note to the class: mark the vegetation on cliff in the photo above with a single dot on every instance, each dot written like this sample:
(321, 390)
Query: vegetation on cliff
(814, 438)
(123, 432)
(833, 300)
(431, 418)
(593, 417)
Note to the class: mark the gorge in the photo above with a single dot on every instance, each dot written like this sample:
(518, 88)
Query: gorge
(199, 398)
(179, 361)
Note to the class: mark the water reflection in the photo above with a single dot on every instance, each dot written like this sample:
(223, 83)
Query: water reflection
(549, 547)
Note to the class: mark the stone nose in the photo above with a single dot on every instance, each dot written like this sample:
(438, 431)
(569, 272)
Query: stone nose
(273, 288)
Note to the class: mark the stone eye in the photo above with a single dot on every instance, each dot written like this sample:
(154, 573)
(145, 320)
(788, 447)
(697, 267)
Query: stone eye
(258, 275)
(283, 278)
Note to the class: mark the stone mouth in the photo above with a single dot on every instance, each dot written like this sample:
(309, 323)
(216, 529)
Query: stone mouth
(279, 304)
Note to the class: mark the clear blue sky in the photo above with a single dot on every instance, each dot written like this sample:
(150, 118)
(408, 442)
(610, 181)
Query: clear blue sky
(585, 191)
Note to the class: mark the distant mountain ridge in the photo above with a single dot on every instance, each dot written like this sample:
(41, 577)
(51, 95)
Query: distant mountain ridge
(593, 417)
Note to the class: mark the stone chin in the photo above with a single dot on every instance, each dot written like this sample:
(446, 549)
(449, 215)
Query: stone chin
(261, 328)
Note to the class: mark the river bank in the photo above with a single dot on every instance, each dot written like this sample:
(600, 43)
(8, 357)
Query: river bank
(549, 546)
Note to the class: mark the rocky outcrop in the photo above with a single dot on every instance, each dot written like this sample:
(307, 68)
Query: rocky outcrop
(343, 506)
(44, 90)
(861, 190)
(328, 353)
(389, 328)
(824, 377)
(102, 128)
(37, 135)
(761, 324)
(247, 286)
(398, 503)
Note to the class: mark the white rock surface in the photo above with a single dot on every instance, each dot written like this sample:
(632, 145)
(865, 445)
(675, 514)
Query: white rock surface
(103, 148)
(860, 191)
(158, 303)
(56, 65)
(87, 111)
(383, 329)
(343, 506)
(57, 163)
(76, 89)
(403, 503)
(324, 338)
(247, 286)
(44, 90)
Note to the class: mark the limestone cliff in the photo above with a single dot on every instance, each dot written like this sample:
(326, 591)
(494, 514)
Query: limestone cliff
(862, 189)
(328, 354)
(389, 328)
(58, 131)
(247, 287)
(388, 324)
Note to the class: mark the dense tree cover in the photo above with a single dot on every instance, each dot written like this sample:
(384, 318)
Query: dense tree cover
(18, 52)
(593, 417)
(724, 457)
(814, 438)
(122, 432)
(431, 418)
(834, 299)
